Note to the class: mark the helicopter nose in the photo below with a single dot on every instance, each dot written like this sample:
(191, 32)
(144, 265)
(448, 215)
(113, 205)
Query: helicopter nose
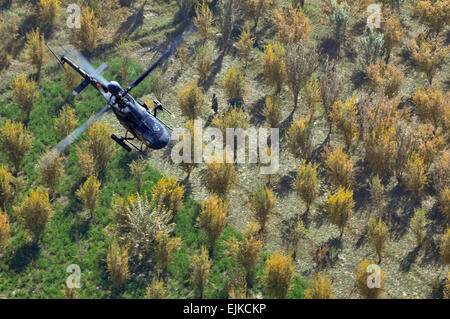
(163, 139)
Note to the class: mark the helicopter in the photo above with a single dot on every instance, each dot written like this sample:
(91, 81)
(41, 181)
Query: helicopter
(140, 122)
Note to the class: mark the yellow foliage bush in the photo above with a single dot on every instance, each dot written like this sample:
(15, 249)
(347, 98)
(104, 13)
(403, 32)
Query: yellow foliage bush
(306, 184)
(273, 66)
(24, 94)
(272, 112)
(320, 288)
(262, 202)
(435, 14)
(362, 279)
(340, 208)
(444, 202)
(7, 186)
(234, 83)
(428, 54)
(445, 248)
(298, 137)
(51, 173)
(245, 45)
(378, 235)
(220, 176)
(99, 145)
(291, 25)
(87, 36)
(278, 274)
(418, 224)
(65, 122)
(340, 167)
(415, 174)
(392, 31)
(88, 193)
(16, 141)
(204, 19)
(35, 212)
(165, 248)
(203, 61)
(255, 9)
(247, 251)
(36, 50)
(212, 218)
(169, 194)
(385, 78)
(344, 117)
(48, 11)
(117, 263)
(433, 106)
(191, 100)
(201, 269)
(4, 230)
(157, 289)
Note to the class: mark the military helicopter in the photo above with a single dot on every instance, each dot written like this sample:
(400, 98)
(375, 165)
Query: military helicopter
(134, 115)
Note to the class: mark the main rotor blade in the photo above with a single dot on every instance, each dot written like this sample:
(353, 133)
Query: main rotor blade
(51, 155)
(84, 63)
(191, 29)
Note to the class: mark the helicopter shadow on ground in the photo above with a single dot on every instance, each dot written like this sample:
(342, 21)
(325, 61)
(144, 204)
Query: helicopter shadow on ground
(24, 256)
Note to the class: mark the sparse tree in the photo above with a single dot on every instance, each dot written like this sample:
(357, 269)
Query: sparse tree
(376, 288)
(415, 174)
(312, 96)
(331, 87)
(434, 14)
(107, 11)
(278, 274)
(344, 117)
(204, 19)
(221, 176)
(117, 262)
(7, 186)
(203, 61)
(234, 83)
(65, 122)
(47, 12)
(340, 208)
(86, 163)
(291, 25)
(299, 232)
(51, 172)
(340, 167)
(88, 193)
(87, 36)
(418, 224)
(124, 48)
(169, 194)
(247, 251)
(255, 9)
(393, 32)
(71, 79)
(4, 230)
(245, 45)
(16, 141)
(212, 218)
(182, 53)
(376, 194)
(384, 78)
(35, 212)
(36, 51)
(320, 288)
(262, 202)
(236, 118)
(157, 289)
(191, 100)
(428, 54)
(306, 184)
(445, 247)
(378, 235)
(444, 202)
(99, 145)
(298, 137)
(273, 66)
(158, 84)
(431, 105)
(24, 94)
(137, 169)
(272, 111)
(201, 268)
(165, 248)
(300, 60)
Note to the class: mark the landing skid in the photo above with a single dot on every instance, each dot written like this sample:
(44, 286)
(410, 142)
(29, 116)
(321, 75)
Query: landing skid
(125, 142)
